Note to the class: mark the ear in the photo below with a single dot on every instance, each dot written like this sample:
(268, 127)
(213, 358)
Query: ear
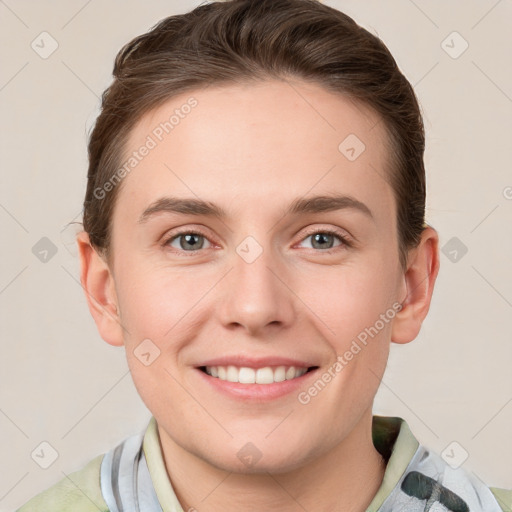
(98, 284)
(417, 287)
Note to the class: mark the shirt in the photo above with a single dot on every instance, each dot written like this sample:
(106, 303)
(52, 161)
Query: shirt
(132, 477)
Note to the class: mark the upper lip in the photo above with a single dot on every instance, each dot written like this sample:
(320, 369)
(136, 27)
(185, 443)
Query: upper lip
(256, 362)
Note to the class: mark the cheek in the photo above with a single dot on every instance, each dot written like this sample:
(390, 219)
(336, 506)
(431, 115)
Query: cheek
(152, 301)
(350, 300)
(155, 303)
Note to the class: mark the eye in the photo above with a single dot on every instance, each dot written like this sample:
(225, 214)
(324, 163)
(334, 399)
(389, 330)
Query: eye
(188, 241)
(323, 239)
(192, 241)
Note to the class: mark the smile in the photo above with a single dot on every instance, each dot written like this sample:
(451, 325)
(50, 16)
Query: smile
(246, 375)
(256, 379)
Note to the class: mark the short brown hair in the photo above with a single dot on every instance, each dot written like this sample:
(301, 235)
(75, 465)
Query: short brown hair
(242, 40)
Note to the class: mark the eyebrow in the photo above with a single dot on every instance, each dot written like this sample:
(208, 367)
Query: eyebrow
(315, 204)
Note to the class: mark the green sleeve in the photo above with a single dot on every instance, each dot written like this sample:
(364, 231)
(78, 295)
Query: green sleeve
(79, 491)
(504, 498)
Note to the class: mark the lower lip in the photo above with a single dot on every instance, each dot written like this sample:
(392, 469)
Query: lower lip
(256, 392)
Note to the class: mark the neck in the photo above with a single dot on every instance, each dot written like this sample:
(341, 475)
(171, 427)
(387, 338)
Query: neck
(346, 479)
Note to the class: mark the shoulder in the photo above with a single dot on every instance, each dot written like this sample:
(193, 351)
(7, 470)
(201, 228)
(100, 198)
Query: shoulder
(418, 476)
(503, 497)
(79, 491)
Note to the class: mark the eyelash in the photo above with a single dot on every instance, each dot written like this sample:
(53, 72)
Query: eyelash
(345, 242)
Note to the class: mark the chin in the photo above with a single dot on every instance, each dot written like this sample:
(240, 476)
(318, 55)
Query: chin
(263, 457)
(263, 465)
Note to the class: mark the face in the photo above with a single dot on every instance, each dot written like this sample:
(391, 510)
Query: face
(275, 278)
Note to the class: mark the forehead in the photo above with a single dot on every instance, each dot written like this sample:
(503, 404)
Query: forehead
(246, 143)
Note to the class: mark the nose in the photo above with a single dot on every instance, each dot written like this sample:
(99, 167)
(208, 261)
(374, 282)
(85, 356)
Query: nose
(256, 294)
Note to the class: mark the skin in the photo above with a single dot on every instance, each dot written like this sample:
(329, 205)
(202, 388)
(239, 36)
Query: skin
(252, 149)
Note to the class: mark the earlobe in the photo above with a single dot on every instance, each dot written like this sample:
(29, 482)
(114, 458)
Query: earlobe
(418, 286)
(98, 284)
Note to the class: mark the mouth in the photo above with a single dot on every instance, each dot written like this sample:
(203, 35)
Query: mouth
(266, 375)
(255, 379)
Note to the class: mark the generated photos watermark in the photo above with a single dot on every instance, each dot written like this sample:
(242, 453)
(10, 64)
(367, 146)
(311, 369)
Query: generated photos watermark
(156, 136)
(357, 345)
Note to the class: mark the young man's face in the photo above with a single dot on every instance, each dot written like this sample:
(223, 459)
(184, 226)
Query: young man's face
(257, 288)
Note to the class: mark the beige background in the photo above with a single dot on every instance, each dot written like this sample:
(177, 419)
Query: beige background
(62, 384)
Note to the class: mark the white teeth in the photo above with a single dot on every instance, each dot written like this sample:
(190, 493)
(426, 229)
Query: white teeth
(290, 373)
(232, 374)
(245, 375)
(280, 374)
(266, 375)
